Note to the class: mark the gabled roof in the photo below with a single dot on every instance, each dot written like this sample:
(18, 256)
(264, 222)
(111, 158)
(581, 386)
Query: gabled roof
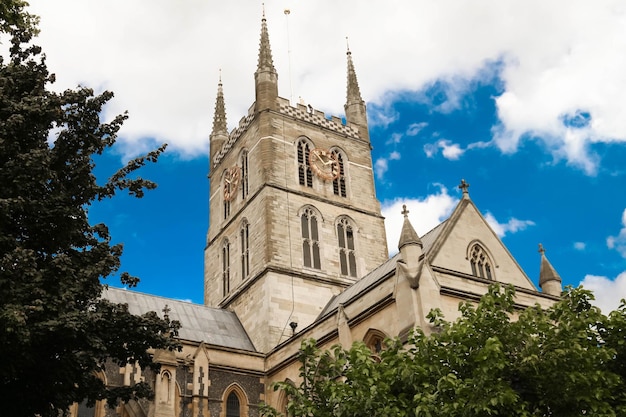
(373, 278)
(199, 323)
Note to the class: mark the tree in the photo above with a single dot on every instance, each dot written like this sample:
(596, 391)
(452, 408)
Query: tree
(563, 361)
(56, 332)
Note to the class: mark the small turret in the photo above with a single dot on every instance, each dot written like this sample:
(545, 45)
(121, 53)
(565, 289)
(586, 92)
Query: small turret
(265, 77)
(219, 134)
(549, 279)
(355, 106)
(411, 251)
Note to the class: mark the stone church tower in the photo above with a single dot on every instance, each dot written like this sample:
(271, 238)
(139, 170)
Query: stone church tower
(294, 217)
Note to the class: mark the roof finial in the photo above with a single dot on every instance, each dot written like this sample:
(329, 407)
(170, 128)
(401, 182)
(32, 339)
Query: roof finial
(220, 76)
(541, 249)
(464, 186)
(405, 212)
(166, 310)
(263, 7)
(348, 46)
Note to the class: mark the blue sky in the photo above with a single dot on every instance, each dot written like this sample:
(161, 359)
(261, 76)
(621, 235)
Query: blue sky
(523, 101)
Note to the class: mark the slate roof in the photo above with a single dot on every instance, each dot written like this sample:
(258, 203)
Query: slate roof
(372, 279)
(199, 323)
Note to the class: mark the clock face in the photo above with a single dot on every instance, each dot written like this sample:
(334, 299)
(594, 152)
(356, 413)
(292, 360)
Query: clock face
(231, 180)
(324, 164)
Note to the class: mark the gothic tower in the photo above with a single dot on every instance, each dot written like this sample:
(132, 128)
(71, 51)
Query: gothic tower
(294, 217)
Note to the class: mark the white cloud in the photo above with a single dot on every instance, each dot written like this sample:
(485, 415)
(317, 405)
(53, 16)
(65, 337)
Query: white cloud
(394, 156)
(395, 138)
(415, 128)
(619, 242)
(449, 150)
(513, 225)
(580, 245)
(424, 214)
(608, 292)
(380, 167)
(161, 58)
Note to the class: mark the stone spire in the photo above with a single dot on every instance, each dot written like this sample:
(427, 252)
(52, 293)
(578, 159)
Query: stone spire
(265, 77)
(219, 134)
(355, 106)
(549, 279)
(408, 236)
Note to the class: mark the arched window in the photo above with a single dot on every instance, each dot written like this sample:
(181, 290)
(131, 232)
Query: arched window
(480, 263)
(244, 173)
(165, 392)
(375, 340)
(235, 402)
(85, 411)
(310, 239)
(97, 410)
(233, 406)
(347, 257)
(226, 208)
(226, 267)
(339, 183)
(245, 249)
(305, 175)
(283, 400)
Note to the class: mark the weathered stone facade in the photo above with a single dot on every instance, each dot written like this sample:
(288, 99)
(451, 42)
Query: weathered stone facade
(292, 255)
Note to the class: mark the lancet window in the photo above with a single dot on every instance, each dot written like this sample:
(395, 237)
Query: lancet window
(245, 249)
(226, 267)
(310, 239)
(233, 405)
(339, 183)
(244, 174)
(305, 175)
(347, 257)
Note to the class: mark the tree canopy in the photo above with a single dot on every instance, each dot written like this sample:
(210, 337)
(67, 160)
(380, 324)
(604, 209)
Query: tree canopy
(56, 332)
(492, 361)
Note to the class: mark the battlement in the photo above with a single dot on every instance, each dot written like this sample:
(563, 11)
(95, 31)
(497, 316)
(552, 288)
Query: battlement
(316, 117)
(300, 112)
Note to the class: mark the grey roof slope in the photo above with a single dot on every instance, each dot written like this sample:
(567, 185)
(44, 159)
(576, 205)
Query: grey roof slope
(371, 279)
(199, 323)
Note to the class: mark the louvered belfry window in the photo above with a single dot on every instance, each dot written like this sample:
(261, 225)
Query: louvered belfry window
(339, 183)
(310, 239)
(244, 174)
(245, 250)
(347, 257)
(305, 175)
(226, 268)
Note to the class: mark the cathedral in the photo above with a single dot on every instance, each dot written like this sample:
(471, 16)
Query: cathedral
(296, 249)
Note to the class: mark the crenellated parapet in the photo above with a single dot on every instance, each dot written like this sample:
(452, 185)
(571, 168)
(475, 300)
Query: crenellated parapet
(232, 138)
(318, 118)
(300, 112)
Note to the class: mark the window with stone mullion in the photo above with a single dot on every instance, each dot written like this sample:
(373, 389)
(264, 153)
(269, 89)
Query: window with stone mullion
(305, 175)
(347, 257)
(479, 262)
(310, 240)
(339, 183)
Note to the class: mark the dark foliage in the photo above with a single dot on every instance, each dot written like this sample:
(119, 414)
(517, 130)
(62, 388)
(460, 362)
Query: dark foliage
(55, 331)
